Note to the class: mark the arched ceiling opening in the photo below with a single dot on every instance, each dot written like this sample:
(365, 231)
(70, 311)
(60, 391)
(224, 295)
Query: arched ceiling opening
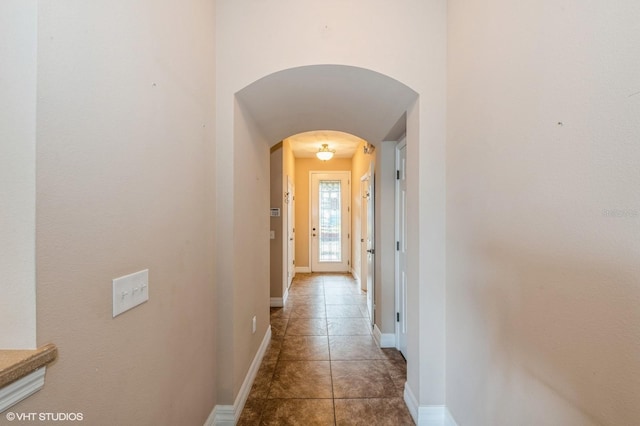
(334, 97)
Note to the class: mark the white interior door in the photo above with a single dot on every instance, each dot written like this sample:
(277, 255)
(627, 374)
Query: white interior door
(291, 269)
(364, 211)
(401, 247)
(330, 195)
(370, 239)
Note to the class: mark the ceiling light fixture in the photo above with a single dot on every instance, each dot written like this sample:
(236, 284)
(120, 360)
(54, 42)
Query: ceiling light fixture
(324, 153)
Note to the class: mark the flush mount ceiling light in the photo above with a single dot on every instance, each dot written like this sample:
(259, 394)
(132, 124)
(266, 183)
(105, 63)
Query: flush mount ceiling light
(324, 153)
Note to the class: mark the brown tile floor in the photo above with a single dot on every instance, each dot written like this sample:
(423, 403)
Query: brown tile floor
(323, 366)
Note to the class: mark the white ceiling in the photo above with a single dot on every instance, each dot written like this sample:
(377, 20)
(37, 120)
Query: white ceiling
(342, 98)
(305, 145)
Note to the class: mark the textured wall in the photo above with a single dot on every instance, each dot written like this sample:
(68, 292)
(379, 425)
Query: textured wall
(543, 226)
(18, 50)
(124, 182)
(276, 223)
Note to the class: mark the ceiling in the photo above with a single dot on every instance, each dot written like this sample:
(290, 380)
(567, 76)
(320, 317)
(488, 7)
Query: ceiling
(343, 98)
(305, 145)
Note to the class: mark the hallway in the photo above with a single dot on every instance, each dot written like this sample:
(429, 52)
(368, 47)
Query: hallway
(323, 366)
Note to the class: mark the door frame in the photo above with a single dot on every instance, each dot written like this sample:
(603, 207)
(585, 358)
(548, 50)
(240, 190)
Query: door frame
(400, 302)
(364, 206)
(371, 244)
(289, 232)
(340, 174)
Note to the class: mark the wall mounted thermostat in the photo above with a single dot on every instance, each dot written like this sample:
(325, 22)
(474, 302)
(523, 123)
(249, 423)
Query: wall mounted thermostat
(275, 212)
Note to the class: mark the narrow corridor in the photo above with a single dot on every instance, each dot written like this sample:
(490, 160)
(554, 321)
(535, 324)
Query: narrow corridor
(323, 366)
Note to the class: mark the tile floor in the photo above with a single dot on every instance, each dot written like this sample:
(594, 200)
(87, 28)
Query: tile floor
(323, 366)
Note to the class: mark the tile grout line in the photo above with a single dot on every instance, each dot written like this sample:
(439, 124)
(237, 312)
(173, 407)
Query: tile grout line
(333, 396)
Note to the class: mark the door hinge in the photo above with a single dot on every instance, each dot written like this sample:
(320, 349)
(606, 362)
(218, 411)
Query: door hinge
(398, 174)
(348, 263)
(293, 261)
(398, 245)
(397, 316)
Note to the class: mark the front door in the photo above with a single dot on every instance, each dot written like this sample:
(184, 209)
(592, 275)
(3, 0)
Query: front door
(330, 196)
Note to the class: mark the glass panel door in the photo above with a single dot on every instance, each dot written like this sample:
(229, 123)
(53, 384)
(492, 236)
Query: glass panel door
(330, 218)
(329, 222)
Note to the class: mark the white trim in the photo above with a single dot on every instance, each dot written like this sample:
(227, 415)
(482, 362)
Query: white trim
(396, 256)
(339, 267)
(278, 302)
(211, 420)
(431, 415)
(22, 388)
(427, 415)
(384, 340)
(228, 415)
(225, 415)
(411, 401)
(355, 275)
(303, 270)
(448, 418)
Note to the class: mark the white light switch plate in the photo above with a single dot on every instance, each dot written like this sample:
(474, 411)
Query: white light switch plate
(130, 291)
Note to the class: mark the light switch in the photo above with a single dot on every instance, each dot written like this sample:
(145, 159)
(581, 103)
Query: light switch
(130, 291)
(273, 235)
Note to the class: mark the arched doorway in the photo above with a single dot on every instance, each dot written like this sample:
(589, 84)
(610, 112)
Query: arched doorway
(349, 99)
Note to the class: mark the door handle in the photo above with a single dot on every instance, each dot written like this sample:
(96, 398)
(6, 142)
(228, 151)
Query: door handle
(372, 251)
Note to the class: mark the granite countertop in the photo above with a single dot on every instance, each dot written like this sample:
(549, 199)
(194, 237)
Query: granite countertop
(17, 363)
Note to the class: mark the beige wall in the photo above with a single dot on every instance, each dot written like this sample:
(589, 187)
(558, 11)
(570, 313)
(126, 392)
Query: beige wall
(385, 188)
(288, 172)
(359, 166)
(543, 221)
(249, 248)
(18, 50)
(124, 183)
(276, 263)
(289, 161)
(303, 166)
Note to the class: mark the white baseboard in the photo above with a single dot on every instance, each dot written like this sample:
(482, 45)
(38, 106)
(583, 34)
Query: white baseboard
(355, 275)
(278, 302)
(411, 401)
(21, 389)
(211, 420)
(427, 415)
(448, 418)
(384, 340)
(303, 269)
(228, 415)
